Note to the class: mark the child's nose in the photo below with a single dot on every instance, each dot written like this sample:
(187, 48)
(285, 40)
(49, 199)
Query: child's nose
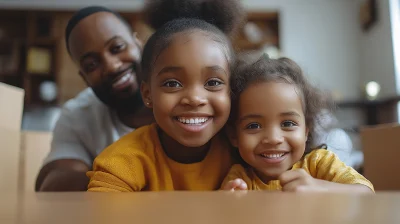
(194, 98)
(272, 136)
(194, 101)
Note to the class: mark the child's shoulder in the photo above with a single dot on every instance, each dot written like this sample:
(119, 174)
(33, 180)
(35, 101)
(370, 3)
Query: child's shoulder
(319, 153)
(238, 168)
(241, 171)
(140, 140)
(315, 157)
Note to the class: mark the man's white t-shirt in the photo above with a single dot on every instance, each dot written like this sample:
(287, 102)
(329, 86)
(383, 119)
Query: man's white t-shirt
(85, 128)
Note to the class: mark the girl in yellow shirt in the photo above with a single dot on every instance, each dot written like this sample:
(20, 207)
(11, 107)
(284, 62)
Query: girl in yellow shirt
(186, 66)
(274, 110)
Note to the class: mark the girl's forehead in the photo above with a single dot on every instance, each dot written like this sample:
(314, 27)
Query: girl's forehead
(271, 95)
(191, 50)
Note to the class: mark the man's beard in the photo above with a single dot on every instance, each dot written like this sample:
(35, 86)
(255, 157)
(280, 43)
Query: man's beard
(129, 104)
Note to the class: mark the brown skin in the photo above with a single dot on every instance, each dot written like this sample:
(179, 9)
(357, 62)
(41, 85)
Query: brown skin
(105, 50)
(63, 175)
(190, 79)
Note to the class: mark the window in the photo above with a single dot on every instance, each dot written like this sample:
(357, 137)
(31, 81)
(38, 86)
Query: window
(395, 24)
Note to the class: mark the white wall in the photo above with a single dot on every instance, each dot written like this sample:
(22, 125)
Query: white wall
(376, 52)
(322, 36)
(395, 22)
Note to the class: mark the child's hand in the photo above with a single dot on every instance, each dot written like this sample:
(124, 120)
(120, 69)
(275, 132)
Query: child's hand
(236, 184)
(300, 181)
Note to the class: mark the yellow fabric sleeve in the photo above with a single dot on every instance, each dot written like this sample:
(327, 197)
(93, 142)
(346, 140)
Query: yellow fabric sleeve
(325, 165)
(238, 171)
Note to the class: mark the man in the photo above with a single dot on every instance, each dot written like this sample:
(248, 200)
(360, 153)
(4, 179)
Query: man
(107, 53)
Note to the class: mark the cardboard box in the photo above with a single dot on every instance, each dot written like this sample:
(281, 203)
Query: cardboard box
(22, 152)
(12, 103)
(10, 141)
(381, 147)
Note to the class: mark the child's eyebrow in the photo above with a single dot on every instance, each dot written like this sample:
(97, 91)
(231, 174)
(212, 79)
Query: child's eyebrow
(169, 69)
(217, 69)
(177, 68)
(249, 116)
(291, 113)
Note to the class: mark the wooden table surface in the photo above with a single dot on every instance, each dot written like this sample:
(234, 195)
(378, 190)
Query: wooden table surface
(198, 207)
(18, 206)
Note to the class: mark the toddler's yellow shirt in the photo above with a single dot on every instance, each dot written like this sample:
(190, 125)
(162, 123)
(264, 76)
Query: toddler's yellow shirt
(320, 164)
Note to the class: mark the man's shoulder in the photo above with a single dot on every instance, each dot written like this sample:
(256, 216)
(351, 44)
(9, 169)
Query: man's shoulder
(85, 111)
(84, 101)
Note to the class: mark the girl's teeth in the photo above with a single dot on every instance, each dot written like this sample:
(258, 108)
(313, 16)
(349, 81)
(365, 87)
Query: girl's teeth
(273, 156)
(196, 121)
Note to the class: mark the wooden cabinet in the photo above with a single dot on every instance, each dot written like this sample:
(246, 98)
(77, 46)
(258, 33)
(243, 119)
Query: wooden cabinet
(28, 53)
(380, 111)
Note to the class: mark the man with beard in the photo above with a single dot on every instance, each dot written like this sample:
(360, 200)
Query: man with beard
(107, 53)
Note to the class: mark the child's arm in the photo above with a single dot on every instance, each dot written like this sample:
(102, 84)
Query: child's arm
(101, 181)
(235, 180)
(356, 188)
(322, 170)
(301, 181)
(116, 173)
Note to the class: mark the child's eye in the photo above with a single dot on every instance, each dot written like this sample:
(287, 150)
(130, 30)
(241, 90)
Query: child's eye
(214, 82)
(172, 84)
(253, 126)
(288, 124)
